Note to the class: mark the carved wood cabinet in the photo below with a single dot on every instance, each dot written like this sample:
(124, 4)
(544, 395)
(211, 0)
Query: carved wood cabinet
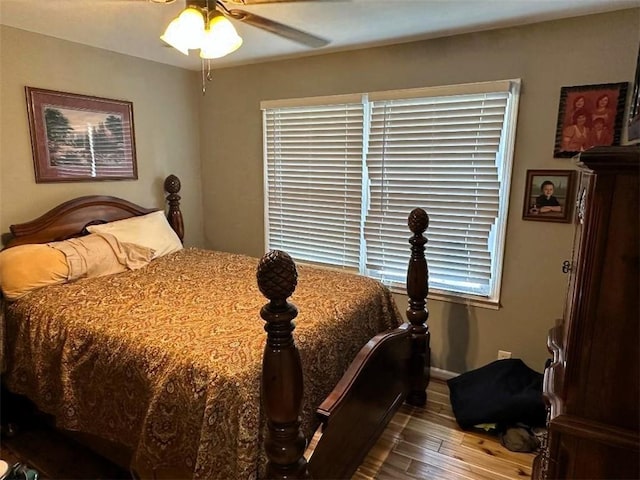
(591, 386)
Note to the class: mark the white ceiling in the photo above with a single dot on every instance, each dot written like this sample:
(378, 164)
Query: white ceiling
(133, 27)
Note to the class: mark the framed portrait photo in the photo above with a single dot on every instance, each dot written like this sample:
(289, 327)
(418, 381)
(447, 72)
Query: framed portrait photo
(78, 138)
(549, 195)
(589, 116)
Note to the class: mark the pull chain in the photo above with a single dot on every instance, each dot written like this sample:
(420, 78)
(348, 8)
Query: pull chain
(209, 72)
(207, 75)
(204, 79)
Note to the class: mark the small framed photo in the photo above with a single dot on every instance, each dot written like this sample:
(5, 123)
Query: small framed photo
(549, 195)
(78, 138)
(589, 116)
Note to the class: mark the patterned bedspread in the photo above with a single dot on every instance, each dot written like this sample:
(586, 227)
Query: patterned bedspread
(166, 359)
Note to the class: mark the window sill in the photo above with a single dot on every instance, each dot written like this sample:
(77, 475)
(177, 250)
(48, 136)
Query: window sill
(456, 298)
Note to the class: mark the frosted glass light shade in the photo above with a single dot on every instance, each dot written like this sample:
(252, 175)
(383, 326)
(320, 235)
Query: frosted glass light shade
(220, 38)
(185, 32)
(172, 36)
(191, 27)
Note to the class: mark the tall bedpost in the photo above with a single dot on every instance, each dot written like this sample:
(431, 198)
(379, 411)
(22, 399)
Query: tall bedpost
(174, 216)
(417, 313)
(281, 369)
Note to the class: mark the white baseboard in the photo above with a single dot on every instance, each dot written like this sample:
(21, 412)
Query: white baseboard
(440, 374)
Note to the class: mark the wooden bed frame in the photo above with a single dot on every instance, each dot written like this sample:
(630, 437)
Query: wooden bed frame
(392, 368)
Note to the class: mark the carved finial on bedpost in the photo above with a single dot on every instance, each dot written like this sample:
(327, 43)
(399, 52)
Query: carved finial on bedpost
(281, 369)
(417, 313)
(172, 187)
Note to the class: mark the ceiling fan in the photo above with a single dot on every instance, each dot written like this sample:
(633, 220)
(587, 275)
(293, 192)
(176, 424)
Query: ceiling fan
(204, 25)
(254, 20)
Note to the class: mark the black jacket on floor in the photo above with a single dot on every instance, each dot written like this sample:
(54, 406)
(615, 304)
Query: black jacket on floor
(505, 392)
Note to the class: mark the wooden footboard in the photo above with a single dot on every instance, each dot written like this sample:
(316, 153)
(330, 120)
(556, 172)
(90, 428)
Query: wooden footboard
(359, 408)
(391, 368)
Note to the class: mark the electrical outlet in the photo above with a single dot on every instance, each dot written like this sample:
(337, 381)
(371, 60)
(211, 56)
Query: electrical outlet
(503, 354)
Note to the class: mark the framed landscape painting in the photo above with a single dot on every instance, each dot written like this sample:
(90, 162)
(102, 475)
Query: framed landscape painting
(589, 116)
(78, 138)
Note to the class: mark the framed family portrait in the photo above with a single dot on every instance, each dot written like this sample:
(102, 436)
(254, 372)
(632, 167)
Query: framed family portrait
(78, 138)
(589, 116)
(549, 195)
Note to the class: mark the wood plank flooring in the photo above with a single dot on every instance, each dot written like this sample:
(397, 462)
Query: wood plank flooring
(426, 443)
(419, 443)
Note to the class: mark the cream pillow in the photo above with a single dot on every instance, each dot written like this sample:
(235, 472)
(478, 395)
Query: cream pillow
(28, 267)
(151, 231)
(100, 254)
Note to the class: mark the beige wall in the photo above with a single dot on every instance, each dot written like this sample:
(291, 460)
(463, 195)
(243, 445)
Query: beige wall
(176, 130)
(166, 102)
(546, 56)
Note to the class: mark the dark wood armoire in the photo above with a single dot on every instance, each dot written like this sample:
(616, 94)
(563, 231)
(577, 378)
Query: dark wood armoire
(592, 384)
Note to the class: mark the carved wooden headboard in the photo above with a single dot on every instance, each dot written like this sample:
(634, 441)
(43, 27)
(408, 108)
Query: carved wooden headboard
(71, 218)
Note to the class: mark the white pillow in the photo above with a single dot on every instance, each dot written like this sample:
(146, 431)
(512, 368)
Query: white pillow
(152, 231)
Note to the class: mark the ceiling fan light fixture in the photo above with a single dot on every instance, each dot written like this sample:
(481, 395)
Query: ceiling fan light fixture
(220, 38)
(204, 28)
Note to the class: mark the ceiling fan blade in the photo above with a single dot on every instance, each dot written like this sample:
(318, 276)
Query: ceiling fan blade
(277, 28)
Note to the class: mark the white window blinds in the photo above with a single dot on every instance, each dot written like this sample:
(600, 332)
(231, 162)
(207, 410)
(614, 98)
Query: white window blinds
(341, 179)
(314, 182)
(442, 154)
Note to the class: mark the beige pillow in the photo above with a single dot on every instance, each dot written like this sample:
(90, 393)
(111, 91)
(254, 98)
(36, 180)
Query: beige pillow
(100, 254)
(151, 231)
(28, 267)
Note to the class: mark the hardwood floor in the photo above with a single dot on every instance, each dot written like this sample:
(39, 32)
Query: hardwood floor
(426, 443)
(419, 443)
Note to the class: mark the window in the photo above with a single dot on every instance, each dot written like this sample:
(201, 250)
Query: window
(342, 174)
